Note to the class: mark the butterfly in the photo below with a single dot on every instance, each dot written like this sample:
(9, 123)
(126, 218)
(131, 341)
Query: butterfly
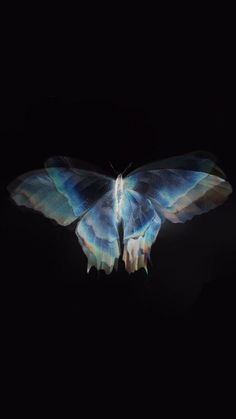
(122, 215)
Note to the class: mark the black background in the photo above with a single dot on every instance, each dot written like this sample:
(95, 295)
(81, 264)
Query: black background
(121, 87)
(191, 279)
(119, 110)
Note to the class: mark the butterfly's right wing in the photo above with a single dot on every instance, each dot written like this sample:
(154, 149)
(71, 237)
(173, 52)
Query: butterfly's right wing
(181, 187)
(60, 192)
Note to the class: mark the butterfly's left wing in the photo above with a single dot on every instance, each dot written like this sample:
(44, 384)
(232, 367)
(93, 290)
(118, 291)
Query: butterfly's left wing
(65, 193)
(61, 191)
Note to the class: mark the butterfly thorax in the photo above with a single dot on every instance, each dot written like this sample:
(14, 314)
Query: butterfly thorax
(119, 188)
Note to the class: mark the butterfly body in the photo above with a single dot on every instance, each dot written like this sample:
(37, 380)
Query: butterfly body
(118, 196)
(174, 189)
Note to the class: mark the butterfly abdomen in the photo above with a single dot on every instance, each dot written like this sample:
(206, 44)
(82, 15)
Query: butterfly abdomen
(119, 190)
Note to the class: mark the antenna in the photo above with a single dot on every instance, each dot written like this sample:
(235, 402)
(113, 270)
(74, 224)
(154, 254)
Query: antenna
(114, 170)
(130, 164)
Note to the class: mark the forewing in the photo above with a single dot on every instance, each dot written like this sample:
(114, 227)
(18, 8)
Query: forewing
(198, 161)
(141, 224)
(37, 191)
(98, 234)
(82, 188)
(179, 194)
(60, 192)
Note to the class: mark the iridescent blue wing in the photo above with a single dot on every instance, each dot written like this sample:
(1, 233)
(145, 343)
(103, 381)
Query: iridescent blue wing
(82, 188)
(199, 161)
(60, 192)
(178, 194)
(176, 189)
(98, 234)
(141, 224)
(36, 190)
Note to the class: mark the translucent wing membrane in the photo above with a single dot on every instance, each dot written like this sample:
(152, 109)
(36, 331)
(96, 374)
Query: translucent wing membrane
(82, 188)
(98, 234)
(36, 190)
(141, 224)
(60, 192)
(180, 194)
(197, 161)
(65, 193)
